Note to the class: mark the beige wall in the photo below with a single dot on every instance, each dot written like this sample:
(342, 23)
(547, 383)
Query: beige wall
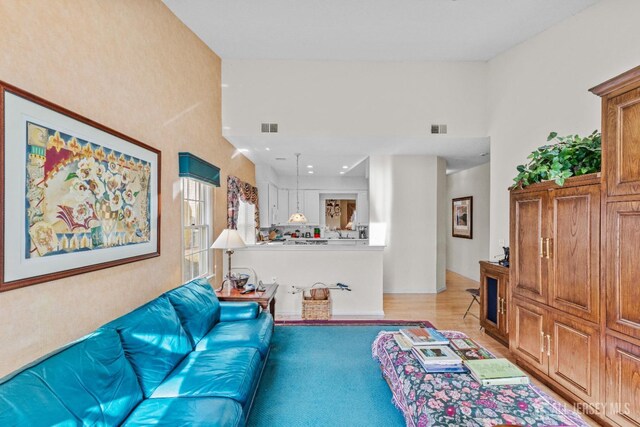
(542, 85)
(463, 254)
(134, 67)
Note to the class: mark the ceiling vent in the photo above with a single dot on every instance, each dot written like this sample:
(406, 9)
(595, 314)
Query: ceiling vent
(269, 128)
(281, 158)
(438, 129)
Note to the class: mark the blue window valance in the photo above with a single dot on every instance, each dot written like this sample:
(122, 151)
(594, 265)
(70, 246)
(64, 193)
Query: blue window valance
(194, 167)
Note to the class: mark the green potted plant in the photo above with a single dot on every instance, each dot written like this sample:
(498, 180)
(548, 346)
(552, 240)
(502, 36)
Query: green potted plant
(571, 155)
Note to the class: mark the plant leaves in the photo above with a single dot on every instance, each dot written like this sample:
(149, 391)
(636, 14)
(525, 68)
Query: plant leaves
(71, 176)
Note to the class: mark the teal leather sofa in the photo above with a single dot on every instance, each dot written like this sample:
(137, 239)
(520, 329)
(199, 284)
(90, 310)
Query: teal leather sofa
(183, 359)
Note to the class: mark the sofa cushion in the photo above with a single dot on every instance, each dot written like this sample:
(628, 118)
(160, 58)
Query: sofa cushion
(197, 306)
(238, 310)
(26, 401)
(187, 412)
(229, 372)
(153, 340)
(255, 333)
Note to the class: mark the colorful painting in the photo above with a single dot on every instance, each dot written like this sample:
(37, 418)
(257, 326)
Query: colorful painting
(462, 217)
(81, 196)
(76, 196)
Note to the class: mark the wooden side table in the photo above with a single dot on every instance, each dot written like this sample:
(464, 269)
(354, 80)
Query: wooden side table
(266, 298)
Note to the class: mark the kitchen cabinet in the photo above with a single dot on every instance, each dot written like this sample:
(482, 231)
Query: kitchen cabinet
(362, 208)
(312, 206)
(282, 215)
(268, 203)
(494, 307)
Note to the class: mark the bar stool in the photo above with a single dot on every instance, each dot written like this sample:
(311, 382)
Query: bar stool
(475, 294)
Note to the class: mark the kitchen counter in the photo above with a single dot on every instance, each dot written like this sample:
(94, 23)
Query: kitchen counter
(332, 245)
(358, 266)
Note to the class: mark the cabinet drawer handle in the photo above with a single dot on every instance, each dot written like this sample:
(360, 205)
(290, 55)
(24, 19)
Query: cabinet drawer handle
(542, 247)
(548, 345)
(548, 245)
(542, 342)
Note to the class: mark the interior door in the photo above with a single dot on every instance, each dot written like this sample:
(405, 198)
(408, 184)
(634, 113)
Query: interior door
(527, 334)
(573, 348)
(574, 255)
(529, 221)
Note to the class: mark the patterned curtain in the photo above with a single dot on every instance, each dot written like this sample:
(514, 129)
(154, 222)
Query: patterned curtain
(239, 190)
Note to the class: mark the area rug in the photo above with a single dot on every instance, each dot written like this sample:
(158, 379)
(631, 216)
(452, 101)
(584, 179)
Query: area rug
(324, 376)
(355, 322)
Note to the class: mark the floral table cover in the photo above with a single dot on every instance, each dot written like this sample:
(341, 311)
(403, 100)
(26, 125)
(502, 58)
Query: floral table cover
(459, 400)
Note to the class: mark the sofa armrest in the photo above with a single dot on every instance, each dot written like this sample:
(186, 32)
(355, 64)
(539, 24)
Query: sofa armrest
(230, 311)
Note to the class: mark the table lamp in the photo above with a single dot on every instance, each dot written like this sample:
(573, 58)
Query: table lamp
(229, 239)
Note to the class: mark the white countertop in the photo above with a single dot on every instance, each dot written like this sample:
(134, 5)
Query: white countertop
(328, 247)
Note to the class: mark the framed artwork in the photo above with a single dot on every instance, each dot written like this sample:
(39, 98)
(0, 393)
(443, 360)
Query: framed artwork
(462, 217)
(77, 196)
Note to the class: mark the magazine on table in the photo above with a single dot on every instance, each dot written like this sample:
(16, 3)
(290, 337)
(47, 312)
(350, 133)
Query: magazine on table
(463, 344)
(490, 372)
(424, 336)
(474, 354)
(402, 341)
(443, 369)
(437, 355)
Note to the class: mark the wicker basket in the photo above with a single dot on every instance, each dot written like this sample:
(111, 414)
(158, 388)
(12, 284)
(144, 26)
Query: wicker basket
(315, 309)
(316, 304)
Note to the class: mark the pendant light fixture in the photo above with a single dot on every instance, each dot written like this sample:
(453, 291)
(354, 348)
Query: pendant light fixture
(298, 217)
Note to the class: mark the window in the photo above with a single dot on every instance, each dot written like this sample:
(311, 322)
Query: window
(197, 226)
(247, 222)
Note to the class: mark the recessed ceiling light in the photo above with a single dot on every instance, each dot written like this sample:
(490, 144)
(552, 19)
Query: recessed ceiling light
(311, 172)
(345, 167)
(224, 85)
(243, 150)
(267, 148)
(341, 173)
(310, 166)
(226, 128)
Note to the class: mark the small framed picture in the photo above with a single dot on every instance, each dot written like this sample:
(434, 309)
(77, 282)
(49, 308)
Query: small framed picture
(462, 217)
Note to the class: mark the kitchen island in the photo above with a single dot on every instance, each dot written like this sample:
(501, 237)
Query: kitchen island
(355, 264)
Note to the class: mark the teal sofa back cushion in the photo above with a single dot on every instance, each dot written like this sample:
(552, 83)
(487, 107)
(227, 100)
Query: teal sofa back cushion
(26, 401)
(92, 377)
(154, 341)
(197, 306)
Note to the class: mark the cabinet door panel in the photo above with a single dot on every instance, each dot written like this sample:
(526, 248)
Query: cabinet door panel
(528, 219)
(574, 273)
(623, 144)
(312, 206)
(623, 267)
(574, 359)
(527, 333)
(623, 382)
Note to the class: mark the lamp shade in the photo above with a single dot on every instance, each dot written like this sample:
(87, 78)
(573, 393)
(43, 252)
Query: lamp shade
(298, 218)
(229, 239)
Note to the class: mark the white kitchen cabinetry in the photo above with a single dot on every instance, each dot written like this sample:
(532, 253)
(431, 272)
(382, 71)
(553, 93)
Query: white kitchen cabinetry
(362, 208)
(312, 206)
(268, 202)
(283, 206)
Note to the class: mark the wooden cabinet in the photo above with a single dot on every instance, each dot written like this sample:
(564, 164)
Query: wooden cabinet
(621, 250)
(555, 256)
(312, 206)
(623, 381)
(494, 286)
(561, 347)
(555, 284)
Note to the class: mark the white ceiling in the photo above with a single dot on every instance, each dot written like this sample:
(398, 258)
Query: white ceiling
(371, 30)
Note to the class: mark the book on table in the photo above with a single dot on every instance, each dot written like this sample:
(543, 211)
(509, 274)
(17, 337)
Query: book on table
(437, 355)
(474, 354)
(489, 372)
(402, 341)
(463, 344)
(424, 336)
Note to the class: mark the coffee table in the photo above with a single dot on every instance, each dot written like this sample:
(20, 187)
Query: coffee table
(457, 399)
(266, 298)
